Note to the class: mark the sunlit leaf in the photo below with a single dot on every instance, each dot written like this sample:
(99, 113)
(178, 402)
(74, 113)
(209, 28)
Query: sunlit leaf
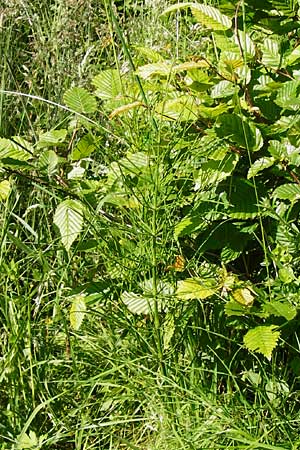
(288, 95)
(271, 54)
(48, 162)
(207, 15)
(259, 165)
(188, 225)
(108, 84)
(80, 100)
(232, 308)
(244, 296)
(20, 150)
(52, 138)
(195, 288)
(68, 218)
(289, 191)
(262, 339)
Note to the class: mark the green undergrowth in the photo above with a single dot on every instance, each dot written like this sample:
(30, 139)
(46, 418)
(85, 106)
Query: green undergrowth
(149, 225)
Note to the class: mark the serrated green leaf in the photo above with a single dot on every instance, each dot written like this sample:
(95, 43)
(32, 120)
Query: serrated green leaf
(213, 172)
(4, 189)
(188, 225)
(155, 69)
(10, 149)
(84, 148)
(77, 311)
(271, 53)
(52, 138)
(243, 200)
(262, 339)
(68, 218)
(208, 16)
(228, 254)
(246, 43)
(289, 191)
(196, 288)
(108, 84)
(211, 17)
(276, 149)
(226, 43)
(224, 89)
(294, 56)
(80, 100)
(48, 162)
(238, 131)
(288, 96)
(281, 309)
(259, 165)
(148, 53)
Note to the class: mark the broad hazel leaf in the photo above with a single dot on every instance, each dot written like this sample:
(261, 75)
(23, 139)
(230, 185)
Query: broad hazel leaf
(52, 138)
(281, 309)
(213, 172)
(68, 218)
(277, 150)
(262, 339)
(294, 56)
(211, 17)
(77, 311)
(208, 16)
(160, 69)
(80, 100)
(259, 165)
(108, 84)
(289, 191)
(84, 148)
(196, 288)
(188, 225)
(287, 96)
(20, 150)
(271, 53)
(246, 43)
(240, 132)
(48, 162)
(232, 308)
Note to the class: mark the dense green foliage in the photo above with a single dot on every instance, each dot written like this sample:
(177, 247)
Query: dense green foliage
(150, 238)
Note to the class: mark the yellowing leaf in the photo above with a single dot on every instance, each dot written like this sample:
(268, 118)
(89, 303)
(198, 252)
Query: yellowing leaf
(124, 108)
(195, 288)
(243, 296)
